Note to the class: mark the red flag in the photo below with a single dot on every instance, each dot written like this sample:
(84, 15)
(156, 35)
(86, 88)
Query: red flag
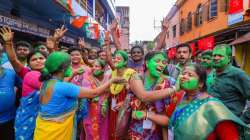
(78, 22)
(206, 43)
(97, 31)
(235, 6)
(171, 53)
(69, 2)
(193, 47)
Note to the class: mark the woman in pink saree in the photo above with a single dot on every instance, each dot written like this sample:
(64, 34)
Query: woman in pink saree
(96, 123)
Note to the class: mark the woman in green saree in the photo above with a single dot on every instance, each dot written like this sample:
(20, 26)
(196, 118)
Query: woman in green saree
(199, 116)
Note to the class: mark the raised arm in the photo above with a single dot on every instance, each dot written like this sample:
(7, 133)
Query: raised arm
(161, 41)
(91, 93)
(52, 42)
(81, 44)
(136, 86)
(107, 50)
(7, 36)
(114, 33)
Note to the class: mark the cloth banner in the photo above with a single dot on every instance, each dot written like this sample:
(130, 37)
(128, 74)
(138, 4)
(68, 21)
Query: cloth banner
(193, 47)
(171, 53)
(235, 6)
(206, 43)
(78, 21)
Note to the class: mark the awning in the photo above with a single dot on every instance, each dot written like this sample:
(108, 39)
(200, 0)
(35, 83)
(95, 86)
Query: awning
(242, 39)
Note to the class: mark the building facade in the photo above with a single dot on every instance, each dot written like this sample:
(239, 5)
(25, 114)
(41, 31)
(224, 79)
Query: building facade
(123, 17)
(35, 20)
(172, 38)
(205, 23)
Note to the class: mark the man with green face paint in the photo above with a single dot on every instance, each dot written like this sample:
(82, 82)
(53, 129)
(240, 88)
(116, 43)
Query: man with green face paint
(207, 63)
(231, 85)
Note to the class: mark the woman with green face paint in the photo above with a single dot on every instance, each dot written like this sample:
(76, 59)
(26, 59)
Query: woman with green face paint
(58, 99)
(96, 123)
(135, 86)
(141, 126)
(118, 91)
(215, 121)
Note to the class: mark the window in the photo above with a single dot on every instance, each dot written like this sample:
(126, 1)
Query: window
(189, 21)
(83, 4)
(174, 31)
(199, 12)
(90, 6)
(182, 27)
(213, 9)
(224, 5)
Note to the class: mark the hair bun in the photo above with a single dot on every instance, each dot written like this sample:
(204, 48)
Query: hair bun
(45, 71)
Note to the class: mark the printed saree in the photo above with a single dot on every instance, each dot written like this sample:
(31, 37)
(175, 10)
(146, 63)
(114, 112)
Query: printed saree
(25, 121)
(198, 119)
(96, 122)
(136, 131)
(118, 95)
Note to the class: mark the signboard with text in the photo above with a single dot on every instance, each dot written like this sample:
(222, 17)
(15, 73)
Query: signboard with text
(235, 18)
(27, 27)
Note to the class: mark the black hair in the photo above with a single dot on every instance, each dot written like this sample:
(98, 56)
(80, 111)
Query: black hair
(184, 45)
(74, 49)
(23, 43)
(85, 49)
(38, 43)
(207, 52)
(151, 54)
(198, 52)
(202, 74)
(101, 62)
(33, 52)
(100, 51)
(132, 49)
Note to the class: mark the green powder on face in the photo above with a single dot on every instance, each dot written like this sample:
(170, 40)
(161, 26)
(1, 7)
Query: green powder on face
(98, 72)
(190, 84)
(139, 114)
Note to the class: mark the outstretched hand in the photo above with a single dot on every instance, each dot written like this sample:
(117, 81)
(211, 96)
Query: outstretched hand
(81, 43)
(113, 25)
(106, 39)
(165, 24)
(59, 33)
(6, 34)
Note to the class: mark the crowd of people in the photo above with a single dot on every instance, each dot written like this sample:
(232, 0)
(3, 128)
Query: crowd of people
(52, 93)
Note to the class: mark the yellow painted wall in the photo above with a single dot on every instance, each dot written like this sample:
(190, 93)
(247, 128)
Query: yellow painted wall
(208, 27)
(239, 54)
